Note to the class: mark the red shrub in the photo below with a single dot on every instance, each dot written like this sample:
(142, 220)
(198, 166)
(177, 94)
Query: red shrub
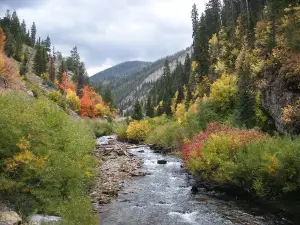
(197, 143)
(236, 135)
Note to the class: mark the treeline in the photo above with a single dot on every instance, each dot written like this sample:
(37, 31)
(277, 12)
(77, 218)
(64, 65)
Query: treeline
(47, 62)
(160, 97)
(241, 39)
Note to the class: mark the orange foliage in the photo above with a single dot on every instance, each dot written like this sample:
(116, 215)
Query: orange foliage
(2, 40)
(89, 101)
(9, 75)
(66, 84)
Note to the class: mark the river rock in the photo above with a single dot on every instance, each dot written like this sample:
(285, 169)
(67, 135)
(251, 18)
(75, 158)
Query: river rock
(111, 142)
(139, 174)
(162, 161)
(43, 219)
(10, 218)
(194, 190)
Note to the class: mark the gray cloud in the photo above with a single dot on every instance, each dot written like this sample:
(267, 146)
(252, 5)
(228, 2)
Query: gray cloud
(110, 31)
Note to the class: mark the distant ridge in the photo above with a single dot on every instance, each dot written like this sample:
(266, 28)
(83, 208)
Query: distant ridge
(121, 70)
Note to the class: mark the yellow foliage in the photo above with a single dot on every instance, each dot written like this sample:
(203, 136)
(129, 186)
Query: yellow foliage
(180, 111)
(161, 103)
(155, 109)
(287, 114)
(193, 108)
(138, 130)
(174, 103)
(23, 144)
(203, 88)
(102, 109)
(25, 157)
(220, 67)
(214, 40)
(194, 66)
(45, 76)
(73, 100)
(185, 94)
(272, 164)
(223, 91)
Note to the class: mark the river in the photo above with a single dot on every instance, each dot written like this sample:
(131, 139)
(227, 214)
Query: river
(164, 198)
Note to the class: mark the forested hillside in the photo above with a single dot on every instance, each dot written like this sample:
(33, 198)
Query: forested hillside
(250, 47)
(136, 87)
(125, 69)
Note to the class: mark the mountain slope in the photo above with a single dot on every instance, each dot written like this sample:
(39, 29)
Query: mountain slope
(137, 86)
(120, 70)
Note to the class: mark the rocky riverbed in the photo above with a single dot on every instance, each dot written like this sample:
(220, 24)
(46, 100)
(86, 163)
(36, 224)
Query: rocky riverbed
(115, 166)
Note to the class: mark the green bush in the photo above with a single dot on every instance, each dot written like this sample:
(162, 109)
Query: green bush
(45, 159)
(100, 127)
(270, 168)
(120, 130)
(159, 120)
(206, 114)
(168, 135)
(58, 98)
(191, 125)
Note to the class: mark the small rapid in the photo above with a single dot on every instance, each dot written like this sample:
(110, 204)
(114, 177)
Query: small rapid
(164, 198)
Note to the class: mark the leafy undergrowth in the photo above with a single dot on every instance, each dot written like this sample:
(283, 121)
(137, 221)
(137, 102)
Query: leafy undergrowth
(45, 157)
(264, 166)
(120, 130)
(99, 127)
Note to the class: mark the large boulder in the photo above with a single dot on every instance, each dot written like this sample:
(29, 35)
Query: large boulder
(10, 218)
(162, 161)
(42, 219)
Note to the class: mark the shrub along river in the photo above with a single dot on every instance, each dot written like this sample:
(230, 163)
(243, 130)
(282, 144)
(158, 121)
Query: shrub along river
(164, 198)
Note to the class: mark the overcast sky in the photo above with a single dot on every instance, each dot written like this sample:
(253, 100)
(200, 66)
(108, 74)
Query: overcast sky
(108, 32)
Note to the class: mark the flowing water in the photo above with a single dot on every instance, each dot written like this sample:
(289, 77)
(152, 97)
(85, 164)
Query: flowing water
(164, 198)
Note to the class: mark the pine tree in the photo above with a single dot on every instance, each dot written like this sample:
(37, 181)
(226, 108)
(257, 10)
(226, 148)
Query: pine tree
(51, 69)
(27, 38)
(187, 69)
(149, 108)
(195, 19)
(107, 96)
(62, 68)
(166, 77)
(33, 34)
(23, 27)
(81, 78)
(213, 17)
(15, 28)
(23, 66)
(18, 47)
(137, 113)
(201, 53)
(41, 59)
(47, 44)
(9, 44)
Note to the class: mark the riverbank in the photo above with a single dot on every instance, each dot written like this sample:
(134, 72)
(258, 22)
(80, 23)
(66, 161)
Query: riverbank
(286, 208)
(115, 165)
